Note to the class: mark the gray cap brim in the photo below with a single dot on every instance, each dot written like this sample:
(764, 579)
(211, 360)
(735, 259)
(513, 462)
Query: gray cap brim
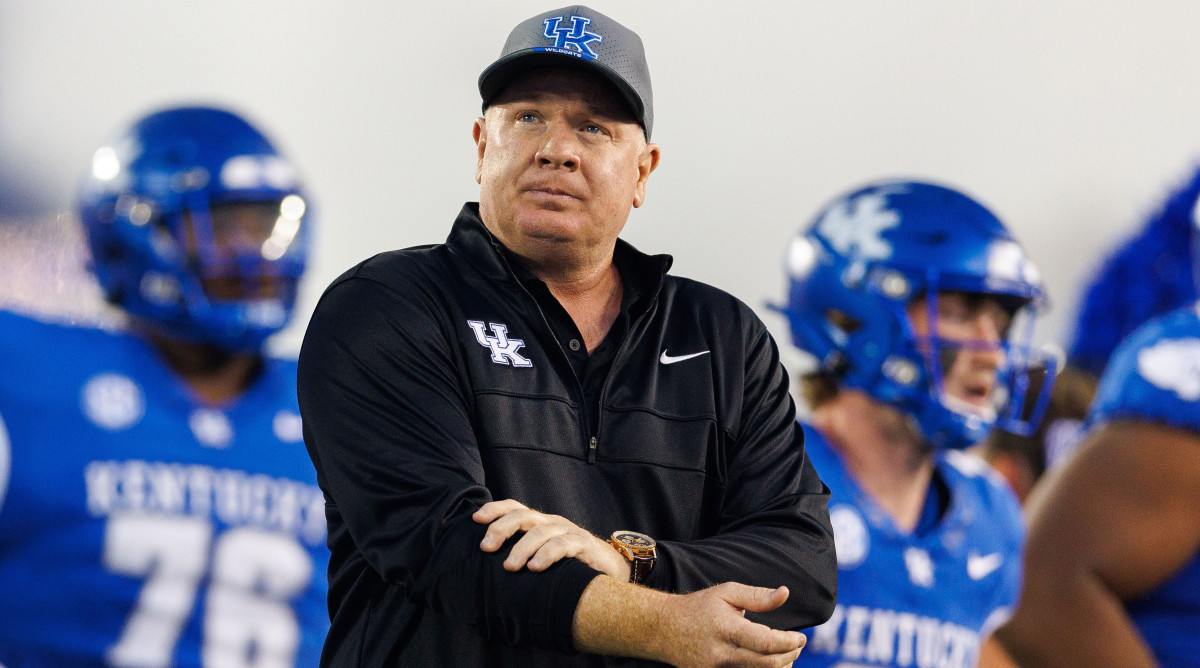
(500, 73)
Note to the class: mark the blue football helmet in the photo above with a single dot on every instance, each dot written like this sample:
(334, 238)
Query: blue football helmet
(866, 256)
(162, 205)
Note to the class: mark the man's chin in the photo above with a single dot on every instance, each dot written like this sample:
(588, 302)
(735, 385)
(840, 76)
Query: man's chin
(550, 226)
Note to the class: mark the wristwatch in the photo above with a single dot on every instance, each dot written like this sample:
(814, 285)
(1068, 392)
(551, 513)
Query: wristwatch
(639, 549)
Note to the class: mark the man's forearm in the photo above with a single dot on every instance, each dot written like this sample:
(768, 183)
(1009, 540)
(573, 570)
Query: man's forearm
(619, 619)
(703, 628)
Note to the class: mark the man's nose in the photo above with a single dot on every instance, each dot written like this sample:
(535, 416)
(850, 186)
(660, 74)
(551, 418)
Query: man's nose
(560, 147)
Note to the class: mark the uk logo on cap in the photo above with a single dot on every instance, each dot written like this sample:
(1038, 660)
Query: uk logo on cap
(575, 40)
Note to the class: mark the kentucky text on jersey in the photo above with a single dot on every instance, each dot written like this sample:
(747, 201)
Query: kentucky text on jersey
(235, 498)
(877, 636)
(923, 598)
(143, 528)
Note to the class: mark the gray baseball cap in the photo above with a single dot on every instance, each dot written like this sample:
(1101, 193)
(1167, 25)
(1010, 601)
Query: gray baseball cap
(576, 37)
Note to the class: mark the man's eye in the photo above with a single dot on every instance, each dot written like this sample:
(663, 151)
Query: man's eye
(593, 129)
(954, 313)
(528, 117)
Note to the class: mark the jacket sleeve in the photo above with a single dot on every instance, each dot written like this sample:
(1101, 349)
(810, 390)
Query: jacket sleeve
(388, 426)
(774, 523)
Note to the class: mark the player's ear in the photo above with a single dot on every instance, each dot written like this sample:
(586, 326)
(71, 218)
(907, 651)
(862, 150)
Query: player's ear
(479, 133)
(647, 162)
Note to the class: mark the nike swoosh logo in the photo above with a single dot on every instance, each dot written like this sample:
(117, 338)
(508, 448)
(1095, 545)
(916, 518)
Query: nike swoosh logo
(980, 567)
(667, 359)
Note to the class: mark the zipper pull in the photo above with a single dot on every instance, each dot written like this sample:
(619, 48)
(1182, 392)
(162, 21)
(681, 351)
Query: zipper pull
(592, 451)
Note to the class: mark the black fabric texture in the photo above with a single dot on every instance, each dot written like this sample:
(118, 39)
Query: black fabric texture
(413, 423)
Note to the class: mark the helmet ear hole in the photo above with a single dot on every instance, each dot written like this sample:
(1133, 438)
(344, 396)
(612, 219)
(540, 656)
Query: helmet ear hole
(115, 296)
(842, 320)
(111, 253)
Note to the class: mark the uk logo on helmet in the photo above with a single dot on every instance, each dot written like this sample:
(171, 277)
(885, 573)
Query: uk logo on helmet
(575, 40)
(857, 227)
(504, 350)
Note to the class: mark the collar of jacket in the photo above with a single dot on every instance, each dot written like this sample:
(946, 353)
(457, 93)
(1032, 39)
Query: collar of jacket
(472, 240)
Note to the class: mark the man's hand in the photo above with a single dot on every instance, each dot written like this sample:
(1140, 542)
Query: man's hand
(704, 628)
(547, 539)
(708, 628)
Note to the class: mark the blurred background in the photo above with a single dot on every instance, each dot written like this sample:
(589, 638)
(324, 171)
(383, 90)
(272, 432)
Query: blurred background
(1070, 119)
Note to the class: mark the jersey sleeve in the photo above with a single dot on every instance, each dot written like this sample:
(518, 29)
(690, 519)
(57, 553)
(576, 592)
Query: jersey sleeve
(1154, 374)
(387, 423)
(774, 522)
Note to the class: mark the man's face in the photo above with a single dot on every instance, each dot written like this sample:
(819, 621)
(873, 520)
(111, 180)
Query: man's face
(971, 328)
(561, 161)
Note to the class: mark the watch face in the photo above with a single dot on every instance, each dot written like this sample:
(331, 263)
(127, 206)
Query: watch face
(634, 539)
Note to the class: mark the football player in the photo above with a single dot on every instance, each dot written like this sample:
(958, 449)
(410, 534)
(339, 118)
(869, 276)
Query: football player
(917, 305)
(157, 507)
(1113, 565)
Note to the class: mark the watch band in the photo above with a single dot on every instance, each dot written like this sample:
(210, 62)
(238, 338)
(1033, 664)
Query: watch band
(640, 569)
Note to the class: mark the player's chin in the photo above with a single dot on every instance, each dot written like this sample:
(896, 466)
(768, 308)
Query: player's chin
(971, 402)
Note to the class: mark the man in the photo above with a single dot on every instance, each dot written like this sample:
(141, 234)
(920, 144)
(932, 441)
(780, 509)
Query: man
(1112, 572)
(156, 506)
(905, 294)
(484, 413)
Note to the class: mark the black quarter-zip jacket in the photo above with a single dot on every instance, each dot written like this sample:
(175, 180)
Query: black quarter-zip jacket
(435, 379)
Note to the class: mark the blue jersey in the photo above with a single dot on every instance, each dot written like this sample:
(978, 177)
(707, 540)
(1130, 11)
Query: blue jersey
(142, 527)
(1154, 375)
(924, 599)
